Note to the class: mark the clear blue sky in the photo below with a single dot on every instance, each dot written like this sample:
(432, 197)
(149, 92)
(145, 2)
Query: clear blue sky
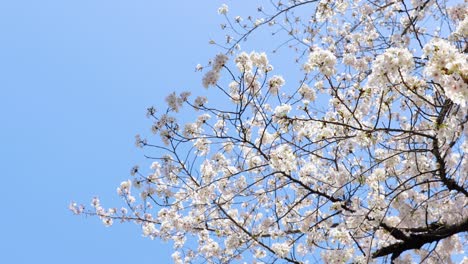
(75, 80)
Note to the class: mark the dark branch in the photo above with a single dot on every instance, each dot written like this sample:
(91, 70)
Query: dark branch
(416, 241)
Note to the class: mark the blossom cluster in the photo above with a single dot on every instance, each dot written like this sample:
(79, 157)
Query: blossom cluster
(391, 66)
(448, 67)
(212, 76)
(323, 60)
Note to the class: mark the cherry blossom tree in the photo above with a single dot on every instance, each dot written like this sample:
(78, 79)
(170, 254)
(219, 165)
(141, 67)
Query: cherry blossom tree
(361, 160)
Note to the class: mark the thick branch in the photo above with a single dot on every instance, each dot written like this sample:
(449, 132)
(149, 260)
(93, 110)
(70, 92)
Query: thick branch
(450, 183)
(416, 241)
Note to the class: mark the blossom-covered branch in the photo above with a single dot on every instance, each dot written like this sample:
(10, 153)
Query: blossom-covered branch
(362, 160)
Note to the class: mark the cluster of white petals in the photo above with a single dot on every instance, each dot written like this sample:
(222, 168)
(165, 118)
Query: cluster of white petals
(275, 83)
(391, 66)
(282, 110)
(246, 62)
(307, 92)
(212, 76)
(462, 30)
(449, 68)
(223, 10)
(323, 60)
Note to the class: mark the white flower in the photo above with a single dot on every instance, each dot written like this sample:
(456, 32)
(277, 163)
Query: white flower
(200, 101)
(210, 248)
(107, 221)
(379, 174)
(260, 60)
(324, 60)
(391, 65)
(148, 229)
(282, 110)
(202, 119)
(223, 9)
(281, 249)
(184, 96)
(203, 146)
(190, 130)
(75, 208)
(318, 85)
(210, 78)
(207, 171)
(174, 102)
(449, 68)
(457, 12)
(306, 92)
(259, 21)
(139, 142)
(95, 202)
(462, 30)
(220, 126)
(177, 258)
(131, 199)
(228, 146)
(243, 62)
(341, 235)
(219, 61)
(156, 166)
(283, 159)
(275, 84)
(254, 161)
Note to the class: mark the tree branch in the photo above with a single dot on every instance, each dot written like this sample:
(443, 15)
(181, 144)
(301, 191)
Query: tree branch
(416, 241)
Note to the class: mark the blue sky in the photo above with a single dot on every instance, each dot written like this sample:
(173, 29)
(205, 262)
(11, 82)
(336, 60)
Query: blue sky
(75, 80)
